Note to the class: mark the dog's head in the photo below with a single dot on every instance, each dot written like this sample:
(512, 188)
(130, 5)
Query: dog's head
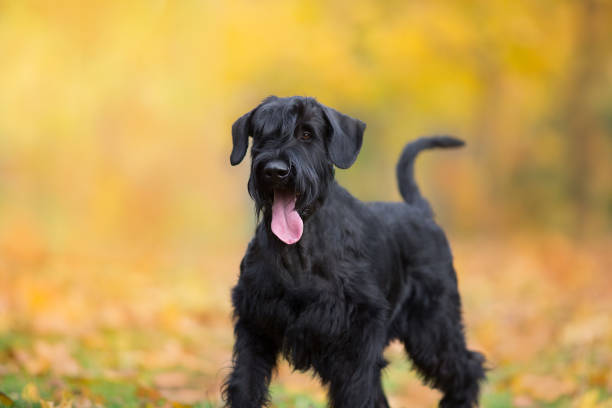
(296, 143)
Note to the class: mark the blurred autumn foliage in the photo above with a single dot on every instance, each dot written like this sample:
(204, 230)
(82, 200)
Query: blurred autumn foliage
(122, 223)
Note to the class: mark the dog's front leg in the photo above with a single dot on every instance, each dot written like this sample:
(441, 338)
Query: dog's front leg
(355, 379)
(253, 361)
(355, 385)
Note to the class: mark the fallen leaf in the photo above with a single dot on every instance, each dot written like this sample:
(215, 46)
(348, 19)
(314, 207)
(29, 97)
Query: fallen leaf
(185, 396)
(171, 380)
(6, 369)
(589, 399)
(57, 357)
(67, 400)
(5, 400)
(29, 362)
(587, 331)
(599, 377)
(179, 405)
(80, 402)
(30, 393)
(148, 393)
(523, 401)
(543, 387)
(64, 396)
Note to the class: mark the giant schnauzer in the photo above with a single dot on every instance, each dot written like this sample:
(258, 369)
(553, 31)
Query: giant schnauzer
(328, 281)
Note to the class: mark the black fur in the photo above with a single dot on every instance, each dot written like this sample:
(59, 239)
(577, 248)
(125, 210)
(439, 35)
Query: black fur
(361, 275)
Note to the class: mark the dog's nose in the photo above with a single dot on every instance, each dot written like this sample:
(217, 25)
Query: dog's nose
(276, 170)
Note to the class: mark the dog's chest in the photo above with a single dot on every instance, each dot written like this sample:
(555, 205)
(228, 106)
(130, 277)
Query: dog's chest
(296, 307)
(302, 301)
(319, 324)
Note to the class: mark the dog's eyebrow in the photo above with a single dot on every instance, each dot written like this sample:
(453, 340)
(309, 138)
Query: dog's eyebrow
(266, 122)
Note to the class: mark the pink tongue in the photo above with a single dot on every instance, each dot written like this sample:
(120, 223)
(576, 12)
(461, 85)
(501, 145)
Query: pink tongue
(286, 222)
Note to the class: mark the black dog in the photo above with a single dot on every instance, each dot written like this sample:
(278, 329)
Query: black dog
(329, 281)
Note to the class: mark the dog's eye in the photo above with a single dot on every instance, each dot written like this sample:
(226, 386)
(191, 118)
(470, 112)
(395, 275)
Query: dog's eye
(306, 135)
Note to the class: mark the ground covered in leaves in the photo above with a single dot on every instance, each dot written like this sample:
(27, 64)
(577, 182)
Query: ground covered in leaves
(144, 331)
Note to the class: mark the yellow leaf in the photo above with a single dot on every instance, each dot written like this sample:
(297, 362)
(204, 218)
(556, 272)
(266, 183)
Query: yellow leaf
(589, 400)
(46, 404)
(179, 405)
(66, 403)
(30, 393)
(67, 399)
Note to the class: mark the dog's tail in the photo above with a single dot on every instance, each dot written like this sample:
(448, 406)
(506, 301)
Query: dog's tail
(405, 167)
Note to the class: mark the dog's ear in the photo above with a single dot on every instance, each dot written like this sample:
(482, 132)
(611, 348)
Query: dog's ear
(345, 138)
(241, 129)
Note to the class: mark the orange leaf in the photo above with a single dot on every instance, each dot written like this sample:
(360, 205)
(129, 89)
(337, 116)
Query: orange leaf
(543, 387)
(5, 400)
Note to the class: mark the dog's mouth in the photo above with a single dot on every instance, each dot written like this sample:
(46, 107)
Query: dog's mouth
(286, 224)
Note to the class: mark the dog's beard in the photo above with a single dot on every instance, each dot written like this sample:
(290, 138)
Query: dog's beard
(285, 208)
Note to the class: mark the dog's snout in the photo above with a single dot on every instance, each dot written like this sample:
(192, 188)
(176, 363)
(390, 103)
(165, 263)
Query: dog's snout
(276, 170)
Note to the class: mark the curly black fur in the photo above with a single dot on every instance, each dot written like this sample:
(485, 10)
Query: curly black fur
(362, 274)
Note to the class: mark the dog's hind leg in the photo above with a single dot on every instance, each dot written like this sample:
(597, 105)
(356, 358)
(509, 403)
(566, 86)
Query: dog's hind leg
(431, 329)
